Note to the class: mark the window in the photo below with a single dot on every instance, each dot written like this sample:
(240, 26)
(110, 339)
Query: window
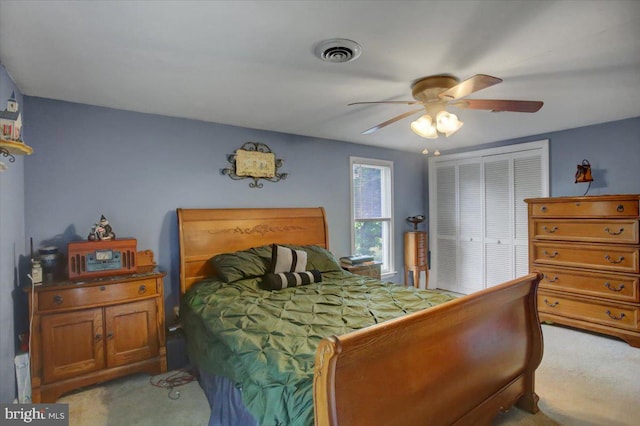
(372, 210)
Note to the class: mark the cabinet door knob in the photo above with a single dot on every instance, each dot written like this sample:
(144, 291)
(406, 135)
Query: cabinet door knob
(57, 299)
(98, 337)
(110, 336)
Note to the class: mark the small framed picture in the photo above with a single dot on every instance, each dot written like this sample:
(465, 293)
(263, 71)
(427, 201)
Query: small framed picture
(255, 164)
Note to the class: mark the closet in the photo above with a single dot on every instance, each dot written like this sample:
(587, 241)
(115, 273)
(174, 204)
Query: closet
(477, 216)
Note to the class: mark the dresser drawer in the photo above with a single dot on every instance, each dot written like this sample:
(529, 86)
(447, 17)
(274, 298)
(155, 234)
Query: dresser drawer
(586, 208)
(610, 286)
(623, 231)
(91, 295)
(604, 257)
(617, 315)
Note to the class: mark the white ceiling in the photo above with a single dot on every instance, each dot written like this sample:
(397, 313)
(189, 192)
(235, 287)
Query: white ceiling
(251, 63)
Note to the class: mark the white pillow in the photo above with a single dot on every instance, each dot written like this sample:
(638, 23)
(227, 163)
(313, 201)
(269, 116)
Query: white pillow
(284, 259)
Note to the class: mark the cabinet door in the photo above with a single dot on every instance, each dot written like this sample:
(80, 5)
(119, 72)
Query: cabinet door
(72, 344)
(132, 332)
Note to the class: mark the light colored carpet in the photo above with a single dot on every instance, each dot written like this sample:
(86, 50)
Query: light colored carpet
(584, 380)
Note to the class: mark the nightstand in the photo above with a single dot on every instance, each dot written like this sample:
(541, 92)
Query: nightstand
(370, 269)
(95, 330)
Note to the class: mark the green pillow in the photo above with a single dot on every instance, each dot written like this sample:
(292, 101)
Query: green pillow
(239, 265)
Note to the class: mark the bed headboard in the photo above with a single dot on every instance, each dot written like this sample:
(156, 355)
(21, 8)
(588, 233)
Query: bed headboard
(203, 233)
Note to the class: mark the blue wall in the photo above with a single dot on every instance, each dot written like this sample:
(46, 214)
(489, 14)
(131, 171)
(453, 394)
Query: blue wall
(12, 245)
(136, 169)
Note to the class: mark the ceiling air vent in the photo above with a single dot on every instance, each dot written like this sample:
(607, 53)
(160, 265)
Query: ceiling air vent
(338, 50)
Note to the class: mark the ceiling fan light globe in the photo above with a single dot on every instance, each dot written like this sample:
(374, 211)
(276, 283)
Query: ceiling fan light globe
(424, 127)
(458, 126)
(447, 122)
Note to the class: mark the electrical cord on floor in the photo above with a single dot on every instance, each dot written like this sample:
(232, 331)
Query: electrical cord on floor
(179, 378)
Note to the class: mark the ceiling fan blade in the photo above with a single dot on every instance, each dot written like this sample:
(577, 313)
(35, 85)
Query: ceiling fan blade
(391, 121)
(499, 105)
(469, 86)
(384, 102)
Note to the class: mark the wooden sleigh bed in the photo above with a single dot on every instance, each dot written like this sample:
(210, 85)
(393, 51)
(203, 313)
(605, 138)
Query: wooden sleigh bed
(460, 362)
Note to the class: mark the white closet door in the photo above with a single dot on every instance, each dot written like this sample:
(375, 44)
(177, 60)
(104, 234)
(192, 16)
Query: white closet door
(498, 223)
(470, 262)
(478, 219)
(446, 227)
(528, 183)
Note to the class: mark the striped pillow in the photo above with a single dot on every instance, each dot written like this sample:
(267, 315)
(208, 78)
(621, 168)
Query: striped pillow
(285, 259)
(291, 279)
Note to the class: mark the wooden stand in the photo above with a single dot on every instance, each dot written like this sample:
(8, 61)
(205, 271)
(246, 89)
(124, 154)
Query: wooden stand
(88, 332)
(415, 257)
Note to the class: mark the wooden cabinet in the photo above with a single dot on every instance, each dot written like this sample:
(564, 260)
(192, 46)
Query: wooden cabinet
(370, 269)
(588, 250)
(88, 332)
(415, 257)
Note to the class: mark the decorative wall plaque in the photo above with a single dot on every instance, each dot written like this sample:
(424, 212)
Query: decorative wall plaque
(254, 160)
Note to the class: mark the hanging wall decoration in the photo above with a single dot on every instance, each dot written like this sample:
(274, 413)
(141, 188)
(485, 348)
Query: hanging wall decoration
(254, 160)
(583, 174)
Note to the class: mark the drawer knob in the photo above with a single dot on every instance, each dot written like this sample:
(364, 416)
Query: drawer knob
(551, 305)
(57, 299)
(610, 260)
(142, 289)
(608, 231)
(543, 208)
(610, 287)
(550, 230)
(551, 280)
(622, 315)
(620, 208)
(98, 337)
(102, 288)
(551, 255)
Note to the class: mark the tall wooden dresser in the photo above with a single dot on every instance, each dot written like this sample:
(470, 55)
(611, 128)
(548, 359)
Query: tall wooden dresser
(415, 257)
(588, 250)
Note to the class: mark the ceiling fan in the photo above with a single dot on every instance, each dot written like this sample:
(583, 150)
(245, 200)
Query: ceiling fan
(436, 92)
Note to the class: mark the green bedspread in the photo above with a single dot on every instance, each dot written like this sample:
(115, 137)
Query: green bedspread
(265, 341)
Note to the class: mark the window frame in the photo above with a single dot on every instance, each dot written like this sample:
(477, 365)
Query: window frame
(388, 268)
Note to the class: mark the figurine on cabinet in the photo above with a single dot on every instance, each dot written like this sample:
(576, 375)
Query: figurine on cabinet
(101, 231)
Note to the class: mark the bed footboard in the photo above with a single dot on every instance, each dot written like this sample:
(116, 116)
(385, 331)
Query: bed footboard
(457, 363)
